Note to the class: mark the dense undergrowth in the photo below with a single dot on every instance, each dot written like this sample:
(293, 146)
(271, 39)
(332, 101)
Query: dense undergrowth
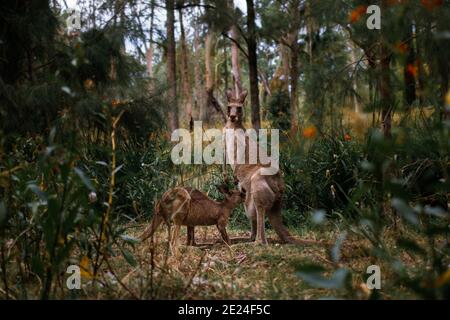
(64, 203)
(85, 152)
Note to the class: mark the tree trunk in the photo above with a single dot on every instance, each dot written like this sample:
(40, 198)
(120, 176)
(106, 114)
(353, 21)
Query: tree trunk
(284, 51)
(408, 76)
(149, 60)
(444, 68)
(171, 66)
(292, 38)
(385, 90)
(210, 42)
(225, 66)
(294, 74)
(149, 52)
(354, 61)
(235, 67)
(309, 29)
(187, 95)
(198, 75)
(253, 65)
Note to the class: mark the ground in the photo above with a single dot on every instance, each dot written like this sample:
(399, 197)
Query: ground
(244, 270)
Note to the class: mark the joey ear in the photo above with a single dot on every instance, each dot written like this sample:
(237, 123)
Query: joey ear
(229, 94)
(243, 95)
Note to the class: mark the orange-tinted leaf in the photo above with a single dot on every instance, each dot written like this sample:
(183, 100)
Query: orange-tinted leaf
(85, 270)
(443, 278)
(402, 47)
(412, 70)
(356, 13)
(431, 4)
(310, 132)
(115, 102)
(88, 84)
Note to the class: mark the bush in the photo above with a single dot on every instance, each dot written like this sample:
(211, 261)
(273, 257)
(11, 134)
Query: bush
(320, 175)
(279, 110)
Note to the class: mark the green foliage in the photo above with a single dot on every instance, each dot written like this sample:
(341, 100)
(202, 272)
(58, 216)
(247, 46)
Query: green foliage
(322, 175)
(393, 184)
(279, 110)
(83, 150)
(146, 175)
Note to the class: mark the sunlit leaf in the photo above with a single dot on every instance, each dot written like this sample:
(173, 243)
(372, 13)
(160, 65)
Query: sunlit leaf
(85, 267)
(336, 250)
(117, 169)
(405, 211)
(83, 178)
(129, 239)
(129, 257)
(336, 281)
(318, 217)
(36, 190)
(436, 211)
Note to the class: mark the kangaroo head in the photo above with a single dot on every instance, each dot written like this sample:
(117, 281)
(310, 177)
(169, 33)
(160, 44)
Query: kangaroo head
(232, 197)
(235, 197)
(235, 105)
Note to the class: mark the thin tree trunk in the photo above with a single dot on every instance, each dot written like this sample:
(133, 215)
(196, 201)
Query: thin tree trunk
(149, 60)
(284, 51)
(210, 41)
(225, 65)
(171, 66)
(408, 77)
(118, 12)
(385, 90)
(149, 53)
(253, 65)
(309, 29)
(444, 68)
(235, 67)
(354, 62)
(198, 75)
(294, 74)
(292, 38)
(187, 95)
(420, 75)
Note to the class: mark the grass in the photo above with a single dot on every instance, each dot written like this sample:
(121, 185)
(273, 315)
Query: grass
(213, 270)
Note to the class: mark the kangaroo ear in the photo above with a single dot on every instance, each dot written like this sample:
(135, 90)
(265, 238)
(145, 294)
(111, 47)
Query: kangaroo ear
(229, 94)
(243, 95)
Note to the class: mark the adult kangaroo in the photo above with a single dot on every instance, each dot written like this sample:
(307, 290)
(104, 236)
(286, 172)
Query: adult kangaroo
(264, 193)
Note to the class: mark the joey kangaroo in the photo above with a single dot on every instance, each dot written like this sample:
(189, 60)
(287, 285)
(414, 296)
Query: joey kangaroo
(190, 207)
(263, 192)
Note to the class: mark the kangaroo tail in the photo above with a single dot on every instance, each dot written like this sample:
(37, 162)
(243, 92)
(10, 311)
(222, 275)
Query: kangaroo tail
(154, 224)
(276, 222)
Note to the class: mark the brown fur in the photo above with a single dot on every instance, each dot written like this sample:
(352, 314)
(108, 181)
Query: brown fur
(264, 193)
(190, 207)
